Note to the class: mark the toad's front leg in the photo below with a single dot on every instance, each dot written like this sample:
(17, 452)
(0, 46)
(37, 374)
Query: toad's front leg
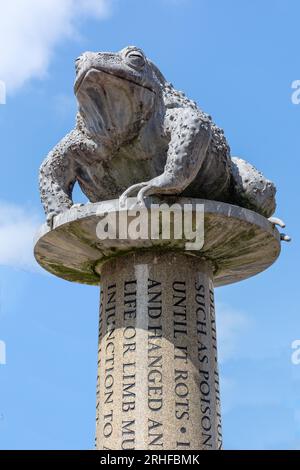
(190, 135)
(57, 178)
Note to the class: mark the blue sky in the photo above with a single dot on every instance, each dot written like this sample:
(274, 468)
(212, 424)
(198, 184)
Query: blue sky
(238, 61)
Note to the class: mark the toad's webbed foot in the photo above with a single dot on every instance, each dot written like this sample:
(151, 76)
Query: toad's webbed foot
(50, 218)
(276, 221)
(132, 189)
(77, 205)
(285, 238)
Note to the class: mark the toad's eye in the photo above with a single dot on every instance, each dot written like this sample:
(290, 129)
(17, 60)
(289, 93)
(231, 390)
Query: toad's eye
(135, 59)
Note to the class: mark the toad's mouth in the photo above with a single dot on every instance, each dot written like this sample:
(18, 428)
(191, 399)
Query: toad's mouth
(86, 73)
(113, 107)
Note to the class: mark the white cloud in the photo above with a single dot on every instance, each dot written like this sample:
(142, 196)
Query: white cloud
(30, 30)
(18, 228)
(231, 325)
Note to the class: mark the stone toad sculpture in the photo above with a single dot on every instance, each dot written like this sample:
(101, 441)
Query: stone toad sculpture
(136, 134)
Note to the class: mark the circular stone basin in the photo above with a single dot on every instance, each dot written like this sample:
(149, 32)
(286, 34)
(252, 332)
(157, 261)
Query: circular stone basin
(238, 242)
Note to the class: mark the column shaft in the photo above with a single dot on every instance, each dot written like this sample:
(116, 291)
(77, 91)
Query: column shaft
(158, 382)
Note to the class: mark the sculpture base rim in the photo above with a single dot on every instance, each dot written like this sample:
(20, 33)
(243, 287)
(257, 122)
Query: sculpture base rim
(238, 242)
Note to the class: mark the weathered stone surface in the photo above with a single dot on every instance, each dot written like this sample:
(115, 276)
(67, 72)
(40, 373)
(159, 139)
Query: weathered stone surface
(238, 243)
(136, 133)
(158, 382)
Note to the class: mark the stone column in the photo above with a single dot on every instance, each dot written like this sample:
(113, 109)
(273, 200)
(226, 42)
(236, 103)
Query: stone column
(158, 385)
(158, 382)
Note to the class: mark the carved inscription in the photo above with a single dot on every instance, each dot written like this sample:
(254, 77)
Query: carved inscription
(129, 366)
(155, 364)
(109, 361)
(158, 381)
(215, 367)
(181, 372)
(203, 344)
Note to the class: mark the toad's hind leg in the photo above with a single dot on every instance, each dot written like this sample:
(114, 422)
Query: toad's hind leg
(251, 189)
